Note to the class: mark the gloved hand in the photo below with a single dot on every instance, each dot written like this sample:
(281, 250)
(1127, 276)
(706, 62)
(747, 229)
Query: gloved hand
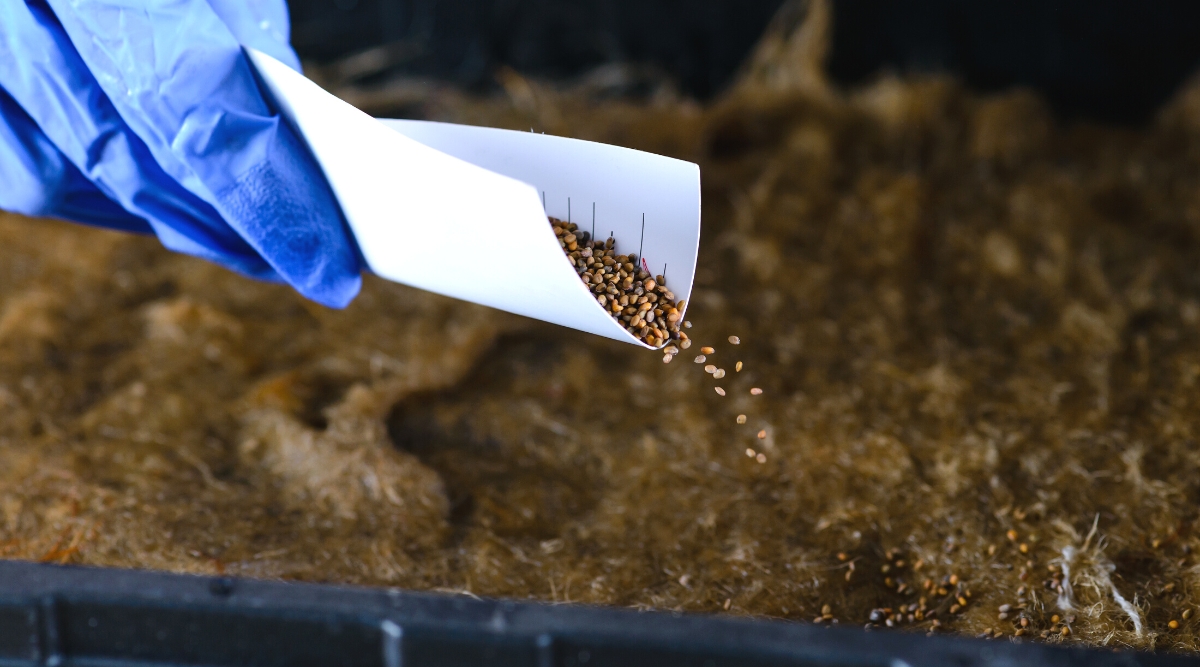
(145, 115)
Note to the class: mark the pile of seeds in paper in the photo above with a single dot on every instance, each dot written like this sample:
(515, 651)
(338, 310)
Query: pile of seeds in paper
(641, 303)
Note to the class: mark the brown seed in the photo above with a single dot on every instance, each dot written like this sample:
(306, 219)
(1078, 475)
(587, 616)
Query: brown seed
(720, 391)
(750, 452)
(1187, 613)
(755, 391)
(762, 435)
(734, 340)
(737, 367)
(685, 344)
(953, 580)
(667, 358)
(1055, 618)
(1011, 535)
(741, 419)
(719, 373)
(710, 369)
(1004, 608)
(687, 324)
(1174, 624)
(728, 601)
(1024, 548)
(700, 358)
(671, 349)
(706, 350)
(1019, 633)
(1065, 631)
(826, 609)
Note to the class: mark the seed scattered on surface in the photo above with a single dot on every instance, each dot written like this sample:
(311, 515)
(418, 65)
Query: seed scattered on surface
(720, 391)
(706, 350)
(734, 340)
(741, 419)
(762, 434)
(1065, 631)
(1004, 608)
(1011, 535)
(728, 601)
(710, 369)
(1024, 548)
(737, 367)
(755, 391)
(700, 358)
(1174, 625)
(1055, 618)
(719, 373)
(1187, 613)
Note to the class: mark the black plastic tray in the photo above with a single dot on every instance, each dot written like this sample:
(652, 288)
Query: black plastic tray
(51, 615)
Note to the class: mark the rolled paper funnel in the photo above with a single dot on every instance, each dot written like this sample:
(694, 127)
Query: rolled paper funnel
(461, 210)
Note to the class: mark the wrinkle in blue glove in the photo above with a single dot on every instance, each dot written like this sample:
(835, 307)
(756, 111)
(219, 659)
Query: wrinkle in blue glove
(154, 103)
(39, 181)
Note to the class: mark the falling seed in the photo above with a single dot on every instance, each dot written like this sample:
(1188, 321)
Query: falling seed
(710, 369)
(734, 340)
(741, 419)
(685, 344)
(720, 391)
(719, 373)
(707, 350)
(699, 358)
(755, 391)
(761, 458)
(687, 324)
(749, 452)
(737, 367)
(667, 358)
(762, 435)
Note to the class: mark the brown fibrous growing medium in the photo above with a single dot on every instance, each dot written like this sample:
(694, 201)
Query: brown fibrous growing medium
(976, 327)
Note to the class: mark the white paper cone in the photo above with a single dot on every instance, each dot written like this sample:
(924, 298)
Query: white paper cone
(458, 210)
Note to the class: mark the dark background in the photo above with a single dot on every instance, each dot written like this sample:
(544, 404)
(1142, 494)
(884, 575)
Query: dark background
(1107, 60)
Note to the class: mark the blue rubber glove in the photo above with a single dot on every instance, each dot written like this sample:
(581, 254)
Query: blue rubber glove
(145, 115)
